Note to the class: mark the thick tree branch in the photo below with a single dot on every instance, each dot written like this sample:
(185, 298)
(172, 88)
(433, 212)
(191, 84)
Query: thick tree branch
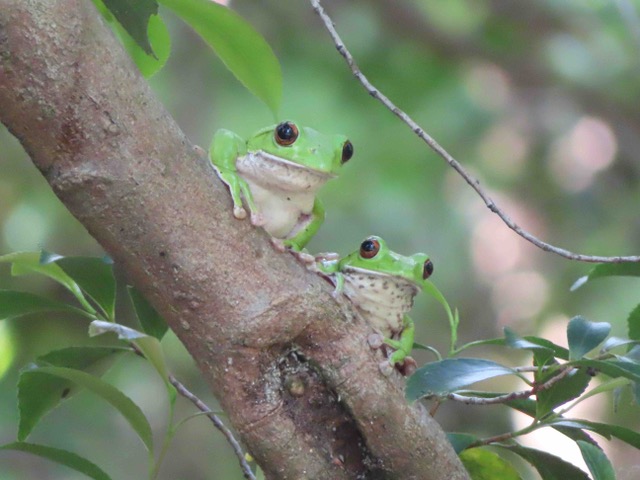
(289, 365)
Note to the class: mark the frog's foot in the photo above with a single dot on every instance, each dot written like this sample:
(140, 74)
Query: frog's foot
(407, 367)
(386, 368)
(239, 212)
(303, 256)
(327, 256)
(375, 341)
(278, 244)
(258, 219)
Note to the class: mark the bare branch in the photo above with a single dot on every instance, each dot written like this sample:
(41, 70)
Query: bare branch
(453, 163)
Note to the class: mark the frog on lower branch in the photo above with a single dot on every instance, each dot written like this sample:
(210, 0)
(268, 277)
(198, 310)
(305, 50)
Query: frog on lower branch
(382, 284)
(278, 172)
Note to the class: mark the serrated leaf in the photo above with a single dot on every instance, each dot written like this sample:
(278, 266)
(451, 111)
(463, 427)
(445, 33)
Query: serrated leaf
(633, 324)
(629, 269)
(108, 392)
(23, 263)
(240, 47)
(134, 16)
(63, 457)
(152, 323)
(460, 441)
(95, 278)
(583, 336)
(16, 304)
(39, 395)
(606, 430)
(549, 466)
(449, 375)
(483, 464)
(561, 392)
(597, 461)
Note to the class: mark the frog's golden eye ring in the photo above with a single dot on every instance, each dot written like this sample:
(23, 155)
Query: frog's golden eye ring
(347, 152)
(369, 248)
(427, 270)
(286, 133)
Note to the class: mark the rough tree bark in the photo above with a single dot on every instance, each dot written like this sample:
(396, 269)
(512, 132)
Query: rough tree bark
(290, 366)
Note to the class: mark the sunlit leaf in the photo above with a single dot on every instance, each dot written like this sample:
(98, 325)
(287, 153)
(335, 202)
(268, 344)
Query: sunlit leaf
(449, 375)
(63, 457)
(16, 304)
(150, 320)
(240, 47)
(597, 461)
(483, 464)
(108, 392)
(609, 270)
(549, 466)
(584, 336)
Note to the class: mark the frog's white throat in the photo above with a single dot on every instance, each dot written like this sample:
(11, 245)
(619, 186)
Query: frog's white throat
(381, 299)
(270, 171)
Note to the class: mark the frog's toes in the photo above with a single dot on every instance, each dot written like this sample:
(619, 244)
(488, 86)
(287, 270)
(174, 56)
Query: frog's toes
(385, 368)
(407, 367)
(304, 257)
(258, 219)
(278, 244)
(375, 340)
(239, 212)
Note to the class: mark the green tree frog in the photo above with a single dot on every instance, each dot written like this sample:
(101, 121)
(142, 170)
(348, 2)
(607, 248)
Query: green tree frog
(278, 172)
(382, 285)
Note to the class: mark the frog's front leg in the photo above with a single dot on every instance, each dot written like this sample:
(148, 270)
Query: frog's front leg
(308, 227)
(402, 346)
(225, 149)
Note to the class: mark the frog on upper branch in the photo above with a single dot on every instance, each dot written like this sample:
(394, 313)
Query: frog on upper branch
(278, 172)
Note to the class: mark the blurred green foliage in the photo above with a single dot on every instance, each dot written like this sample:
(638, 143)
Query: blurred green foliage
(539, 99)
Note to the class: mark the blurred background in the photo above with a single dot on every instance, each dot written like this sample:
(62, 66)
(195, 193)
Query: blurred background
(540, 100)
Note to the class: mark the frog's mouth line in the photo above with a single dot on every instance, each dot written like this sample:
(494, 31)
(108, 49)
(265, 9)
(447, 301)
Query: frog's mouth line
(382, 275)
(283, 161)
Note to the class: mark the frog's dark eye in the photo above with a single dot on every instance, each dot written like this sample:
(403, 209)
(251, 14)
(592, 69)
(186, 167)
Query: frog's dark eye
(427, 270)
(286, 133)
(369, 248)
(347, 151)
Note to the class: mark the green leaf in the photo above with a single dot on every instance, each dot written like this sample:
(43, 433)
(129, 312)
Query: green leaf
(243, 50)
(157, 33)
(629, 269)
(16, 304)
(37, 395)
(483, 464)
(606, 430)
(612, 368)
(30, 262)
(597, 461)
(549, 466)
(449, 375)
(460, 441)
(614, 342)
(63, 457)
(134, 16)
(94, 276)
(633, 324)
(561, 392)
(108, 392)
(150, 320)
(584, 336)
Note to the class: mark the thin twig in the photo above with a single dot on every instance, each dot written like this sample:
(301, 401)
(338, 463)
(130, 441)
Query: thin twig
(511, 396)
(435, 146)
(200, 405)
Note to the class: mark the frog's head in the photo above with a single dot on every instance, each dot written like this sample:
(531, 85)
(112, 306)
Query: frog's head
(374, 256)
(303, 146)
